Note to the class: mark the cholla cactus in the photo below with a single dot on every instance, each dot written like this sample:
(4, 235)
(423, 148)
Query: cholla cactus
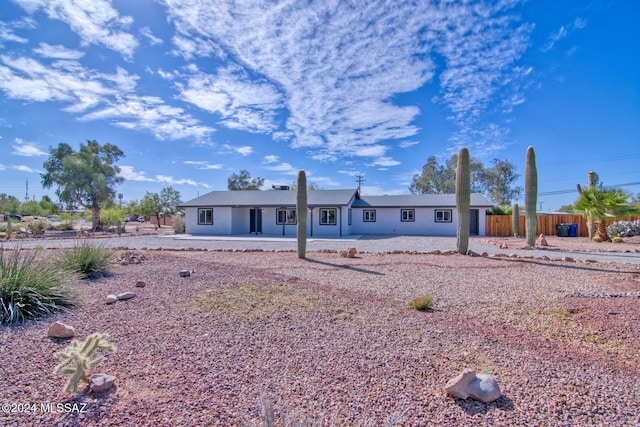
(76, 359)
(463, 200)
(301, 211)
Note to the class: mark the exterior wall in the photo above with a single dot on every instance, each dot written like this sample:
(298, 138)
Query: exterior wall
(388, 221)
(222, 221)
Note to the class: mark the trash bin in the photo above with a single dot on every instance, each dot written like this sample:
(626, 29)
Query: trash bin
(563, 230)
(573, 230)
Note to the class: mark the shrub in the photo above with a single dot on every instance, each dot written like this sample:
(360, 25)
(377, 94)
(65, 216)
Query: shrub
(31, 287)
(88, 260)
(624, 229)
(77, 362)
(178, 224)
(36, 226)
(423, 303)
(65, 226)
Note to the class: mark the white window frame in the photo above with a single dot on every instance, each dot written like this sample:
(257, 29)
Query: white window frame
(325, 219)
(202, 211)
(407, 215)
(286, 216)
(369, 215)
(443, 215)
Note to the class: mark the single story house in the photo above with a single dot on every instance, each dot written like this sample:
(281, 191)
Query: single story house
(333, 213)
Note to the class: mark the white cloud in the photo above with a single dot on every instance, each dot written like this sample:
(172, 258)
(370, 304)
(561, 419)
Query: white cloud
(203, 165)
(7, 32)
(57, 52)
(128, 173)
(384, 162)
(146, 31)
(26, 149)
(284, 168)
(2, 167)
(243, 150)
(338, 65)
(172, 181)
(23, 168)
(408, 144)
(563, 32)
(270, 159)
(96, 21)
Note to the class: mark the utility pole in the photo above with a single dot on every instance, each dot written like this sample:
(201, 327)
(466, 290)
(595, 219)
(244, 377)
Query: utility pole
(360, 180)
(26, 194)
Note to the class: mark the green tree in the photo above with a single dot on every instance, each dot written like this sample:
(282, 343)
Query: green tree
(30, 208)
(600, 204)
(9, 204)
(48, 206)
(87, 177)
(165, 203)
(439, 178)
(243, 181)
(567, 208)
(499, 182)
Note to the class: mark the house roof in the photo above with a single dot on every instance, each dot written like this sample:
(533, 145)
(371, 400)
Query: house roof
(418, 200)
(278, 198)
(272, 198)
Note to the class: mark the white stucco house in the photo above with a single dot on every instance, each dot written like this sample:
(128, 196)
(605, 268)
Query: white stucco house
(335, 213)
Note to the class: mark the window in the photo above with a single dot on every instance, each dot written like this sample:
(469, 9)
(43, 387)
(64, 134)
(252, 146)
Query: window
(444, 215)
(328, 216)
(205, 216)
(407, 215)
(286, 216)
(369, 216)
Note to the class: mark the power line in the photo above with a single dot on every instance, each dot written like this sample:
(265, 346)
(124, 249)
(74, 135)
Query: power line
(610, 187)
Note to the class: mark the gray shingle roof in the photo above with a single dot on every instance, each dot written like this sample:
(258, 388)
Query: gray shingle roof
(271, 198)
(418, 200)
(277, 198)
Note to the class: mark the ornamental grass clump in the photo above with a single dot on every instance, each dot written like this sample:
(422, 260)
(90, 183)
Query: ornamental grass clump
(31, 286)
(88, 260)
(422, 303)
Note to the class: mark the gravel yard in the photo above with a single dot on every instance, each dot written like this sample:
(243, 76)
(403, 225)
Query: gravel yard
(332, 341)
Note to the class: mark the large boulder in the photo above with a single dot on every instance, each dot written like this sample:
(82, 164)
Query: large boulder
(480, 387)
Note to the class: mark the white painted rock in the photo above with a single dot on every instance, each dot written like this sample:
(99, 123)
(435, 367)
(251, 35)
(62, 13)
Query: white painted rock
(111, 299)
(61, 330)
(125, 296)
(101, 382)
(542, 241)
(476, 386)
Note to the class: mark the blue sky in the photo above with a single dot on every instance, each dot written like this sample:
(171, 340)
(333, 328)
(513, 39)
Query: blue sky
(195, 90)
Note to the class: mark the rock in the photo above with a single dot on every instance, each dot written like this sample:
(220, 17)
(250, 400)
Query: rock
(61, 330)
(125, 296)
(481, 387)
(111, 299)
(541, 241)
(349, 253)
(185, 273)
(140, 284)
(101, 382)
(504, 245)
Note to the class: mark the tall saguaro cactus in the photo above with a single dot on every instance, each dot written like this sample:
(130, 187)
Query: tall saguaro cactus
(301, 212)
(463, 200)
(531, 196)
(515, 220)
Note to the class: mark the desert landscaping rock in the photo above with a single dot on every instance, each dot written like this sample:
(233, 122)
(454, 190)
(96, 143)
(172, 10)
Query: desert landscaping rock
(61, 330)
(185, 273)
(111, 299)
(126, 296)
(481, 387)
(101, 382)
(140, 284)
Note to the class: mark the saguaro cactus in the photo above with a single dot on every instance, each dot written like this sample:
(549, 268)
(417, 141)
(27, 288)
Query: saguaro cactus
(463, 199)
(301, 212)
(531, 196)
(515, 220)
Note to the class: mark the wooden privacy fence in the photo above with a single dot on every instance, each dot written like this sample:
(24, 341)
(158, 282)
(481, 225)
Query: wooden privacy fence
(500, 225)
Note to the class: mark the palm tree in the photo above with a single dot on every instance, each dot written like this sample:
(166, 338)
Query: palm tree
(600, 204)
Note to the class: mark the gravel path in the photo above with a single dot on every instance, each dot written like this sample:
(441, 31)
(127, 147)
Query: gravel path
(331, 341)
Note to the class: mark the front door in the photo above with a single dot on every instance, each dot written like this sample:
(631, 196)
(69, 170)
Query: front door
(473, 222)
(255, 220)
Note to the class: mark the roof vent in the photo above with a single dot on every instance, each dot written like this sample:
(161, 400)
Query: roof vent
(280, 187)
